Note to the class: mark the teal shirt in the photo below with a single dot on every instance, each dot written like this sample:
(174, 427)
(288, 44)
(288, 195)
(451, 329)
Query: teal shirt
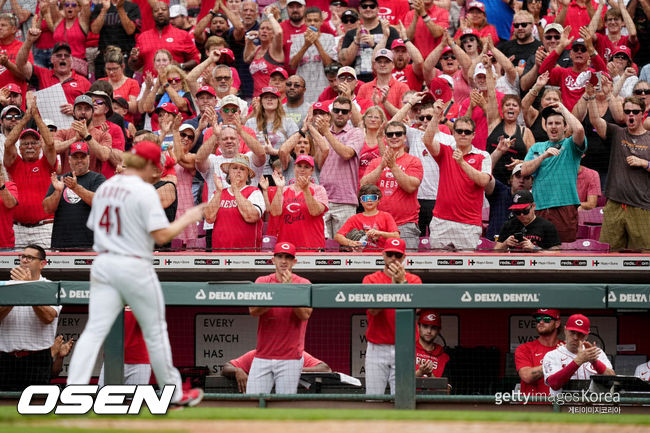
(556, 178)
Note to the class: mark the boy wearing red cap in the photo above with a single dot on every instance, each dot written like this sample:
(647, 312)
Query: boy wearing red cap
(578, 359)
(529, 356)
(430, 357)
(280, 333)
(380, 353)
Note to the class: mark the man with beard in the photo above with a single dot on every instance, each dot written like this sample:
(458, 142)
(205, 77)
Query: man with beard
(178, 18)
(69, 198)
(235, 39)
(163, 35)
(524, 44)
(216, 23)
(295, 25)
(347, 86)
(404, 71)
(296, 108)
(430, 357)
(550, 40)
(340, 171)
(99, 141)
(529, 356)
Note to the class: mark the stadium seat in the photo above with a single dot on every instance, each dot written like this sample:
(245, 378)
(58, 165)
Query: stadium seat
(583, 232)
(485, 244)
(424, 244)
(594, 232)
(586, 245)
(593, 216)
(268, 242)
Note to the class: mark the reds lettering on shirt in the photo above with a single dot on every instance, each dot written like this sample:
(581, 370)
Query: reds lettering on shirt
(259, 66)
(227, 204)
(293, 208)
(387, 183)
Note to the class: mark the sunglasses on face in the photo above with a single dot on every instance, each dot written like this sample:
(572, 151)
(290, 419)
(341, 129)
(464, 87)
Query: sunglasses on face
(184, 135)
(349, 20)
(552, 37)
(13, 116)
(223, 78)
(545, 319)
(394, 254)
(579, 49)
(174, 80)
(340, 110)
(522, 25)
(635, 112)
(522, 211)
(449, 57)
(425, 117)
(391, 134)
(230, 110)
(70, 5)
(463, 131)
(368, 6)
(62, 56)
(369, 197)
(621, 57)
(98, 102)
(640, 92)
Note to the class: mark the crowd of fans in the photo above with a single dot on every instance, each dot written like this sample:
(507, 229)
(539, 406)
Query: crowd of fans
(352, 122)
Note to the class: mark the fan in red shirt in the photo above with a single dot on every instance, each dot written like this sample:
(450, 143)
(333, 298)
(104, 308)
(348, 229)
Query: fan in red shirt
(8, 201)
(426, 24)
(31, 173)
(430, 357)
(9, 46)
(280, 332)
(529, 356)
(380, 353)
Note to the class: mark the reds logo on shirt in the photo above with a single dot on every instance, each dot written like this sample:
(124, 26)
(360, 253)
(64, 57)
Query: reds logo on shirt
(170, 40)
(570, 83)
(35, 170)
(293, 207)
(73, 84)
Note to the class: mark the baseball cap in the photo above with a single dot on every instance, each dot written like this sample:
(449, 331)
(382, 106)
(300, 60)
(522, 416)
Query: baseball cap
(280, 70)
(547, 312)
(206, 89)
(622, 49)
(239, 159)
(395, 244)
(168, 107)
(9, 108)
(480, 70)
(226, 53)
(285, 247)
(229, 100)
(368, 1)
(350, 13)
(521, 199)
(517, 169)
(61, 46)
(121, 102)
(185, 126)
(476, 5)
(108, 100)
(384, 53)
(340, 2)
(439, 88)
(177, 11)
(469, 31)
(550, 111)
(13, 88)
(397, 43)
(446, 50)
(578, 41)
(447, 78)
(149, 151)
(554, 26)
(302, 2)
(50, 122)
(271, 90)
(347, 70)
(83, 99)
(430, 317)
(578, 323)
(79, 147)
(322, 106)
(306, 158)
(30, 131)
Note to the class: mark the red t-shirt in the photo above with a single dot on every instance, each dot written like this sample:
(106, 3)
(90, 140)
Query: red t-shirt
(395, 92)
(423, 39)
(329, 94)
(135, 349)
(237, 234)
(365, 158)
(393, 10)
(74, 86)
(605, 47)
(297, 226)
(117, 142)
(288, 30)
(280, 333)
(408, 77)
(246, 360)
(381, 326)
(6, 76)
(178, 42)
(130, 87)
(7, 218)
(403, 207)
(437, 356)
(146, 13)
(383, 221)
(531, 354)
(32, 180)
(578, 17)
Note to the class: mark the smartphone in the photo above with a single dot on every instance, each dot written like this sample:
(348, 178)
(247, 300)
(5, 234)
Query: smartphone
(519, 236)
(313, 29)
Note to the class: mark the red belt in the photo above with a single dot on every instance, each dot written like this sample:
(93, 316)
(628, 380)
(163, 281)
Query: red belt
(21, 353)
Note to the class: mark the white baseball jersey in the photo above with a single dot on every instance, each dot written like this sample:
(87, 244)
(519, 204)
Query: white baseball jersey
(125, 211)
(557, 359)
(643, 371)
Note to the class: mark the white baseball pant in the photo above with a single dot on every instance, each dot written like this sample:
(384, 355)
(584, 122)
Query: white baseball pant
(134, 374)
(380, 368)
(117, 280)
(284, 373)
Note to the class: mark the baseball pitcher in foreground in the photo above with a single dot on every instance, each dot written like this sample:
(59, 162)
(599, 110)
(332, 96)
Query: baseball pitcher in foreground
(126, 219)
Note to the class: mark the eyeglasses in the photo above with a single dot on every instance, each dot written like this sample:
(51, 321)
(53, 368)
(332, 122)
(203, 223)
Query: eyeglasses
(522, 211)
(117, 68)
(426, 117)
(394, 254)
(369, 197)
(230, 110)
(519, 176)
(391, 134)
(463, 131)
(340, 110)
(464, 39)
(449, 56)
(640, 92)
(621, 57)
(98, 102)
(184, 135)
(349, 20)
(13, 116)
(296, 85)
(635, 112)
(579, 49)
(346, 77)
(368, 6)
(222, 78)
(545, 319)
(522, 25)
(552, 37)
(62, 56)
(29, 258)
(70, 5)
(174, 80)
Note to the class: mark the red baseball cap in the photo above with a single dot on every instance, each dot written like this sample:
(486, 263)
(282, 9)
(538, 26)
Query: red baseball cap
(30, 131)
(271, 90)
(547, 312)
(13, 88)
(280, 70)
(322, 106)
(149, 151)
(439, 88)
(470, 31)
(446, 50)
(168, 107)
(207, 89)
(622, 49)
(306, 158)
(430, 317)
(226, 53)
(476, 5)
(397, 43)
(286, 248)
(578, 323)
(396, 245)
(79, 147)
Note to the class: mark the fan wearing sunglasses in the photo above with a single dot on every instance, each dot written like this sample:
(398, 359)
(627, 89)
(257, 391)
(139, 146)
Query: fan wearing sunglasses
(615, 19)
(380, 353)
(71, 25)
(524, 43)
(550, 39)
(529, 356)
(524, 230)
(171, 86)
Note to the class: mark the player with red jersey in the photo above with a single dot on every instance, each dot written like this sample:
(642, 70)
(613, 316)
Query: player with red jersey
(430, 357)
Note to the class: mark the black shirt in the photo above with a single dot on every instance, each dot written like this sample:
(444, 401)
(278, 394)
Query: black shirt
(378, 33)
(540, 232)
(520, 51)
(112, 32)
(237, 47)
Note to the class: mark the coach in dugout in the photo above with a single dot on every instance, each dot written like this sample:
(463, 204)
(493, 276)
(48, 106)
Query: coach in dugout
(239, 368)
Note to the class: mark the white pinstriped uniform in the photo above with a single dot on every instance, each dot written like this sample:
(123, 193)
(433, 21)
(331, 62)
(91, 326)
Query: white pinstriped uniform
(557, 359)
(380, 368)
(284, 373)
(134, 374)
